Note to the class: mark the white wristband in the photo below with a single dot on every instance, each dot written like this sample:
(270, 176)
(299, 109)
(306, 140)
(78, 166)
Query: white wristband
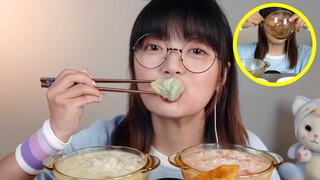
(52, 138)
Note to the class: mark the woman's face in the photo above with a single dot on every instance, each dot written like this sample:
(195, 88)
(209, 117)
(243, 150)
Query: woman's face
(199, 88)
(271, 39)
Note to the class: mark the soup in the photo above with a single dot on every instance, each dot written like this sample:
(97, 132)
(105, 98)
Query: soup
(101, 164)
(211, 159)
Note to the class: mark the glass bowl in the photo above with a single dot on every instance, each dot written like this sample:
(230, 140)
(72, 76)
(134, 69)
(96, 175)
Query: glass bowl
(278, 25)
(204, 157)
(102, 162)
(256, 67)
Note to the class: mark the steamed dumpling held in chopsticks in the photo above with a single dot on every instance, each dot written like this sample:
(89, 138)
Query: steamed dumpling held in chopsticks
(170, 89)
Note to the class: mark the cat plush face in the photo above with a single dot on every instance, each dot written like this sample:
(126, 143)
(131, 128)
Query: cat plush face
(307, 122)
(309, 131)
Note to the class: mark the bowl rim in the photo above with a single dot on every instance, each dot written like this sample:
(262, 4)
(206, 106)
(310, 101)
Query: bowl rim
(284, 11)
(255, 59)
(271, 162)
(143, 169)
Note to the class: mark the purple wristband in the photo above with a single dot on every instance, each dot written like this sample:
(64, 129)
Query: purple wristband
(36, 149)
(29, 158)
(30, 154)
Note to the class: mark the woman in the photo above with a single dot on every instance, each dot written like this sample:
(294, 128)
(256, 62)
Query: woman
(173, 34)
(284, 55)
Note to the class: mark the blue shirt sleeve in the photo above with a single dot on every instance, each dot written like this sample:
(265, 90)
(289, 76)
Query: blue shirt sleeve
(246, 51)
(304, 54)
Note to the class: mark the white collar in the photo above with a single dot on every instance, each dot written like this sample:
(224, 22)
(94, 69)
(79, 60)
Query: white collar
(163, 158)
(275, 57)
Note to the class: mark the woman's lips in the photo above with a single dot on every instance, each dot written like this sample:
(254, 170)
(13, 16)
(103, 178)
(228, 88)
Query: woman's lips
(168, 101)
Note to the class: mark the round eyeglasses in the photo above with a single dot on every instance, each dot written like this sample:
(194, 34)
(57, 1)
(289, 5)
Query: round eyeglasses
(196, 55)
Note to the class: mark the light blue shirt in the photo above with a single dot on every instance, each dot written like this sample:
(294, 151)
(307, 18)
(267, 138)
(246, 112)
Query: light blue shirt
(99, 134)
(278, 63)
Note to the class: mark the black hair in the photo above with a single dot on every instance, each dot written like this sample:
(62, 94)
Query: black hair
(290, 44)
(186, 19)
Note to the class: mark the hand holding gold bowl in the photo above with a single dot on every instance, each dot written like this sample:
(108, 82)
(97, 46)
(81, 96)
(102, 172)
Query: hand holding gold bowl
(278, 25)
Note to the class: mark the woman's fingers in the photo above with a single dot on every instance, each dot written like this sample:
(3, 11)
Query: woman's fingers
(64, 72)
(86, 99)
(298, 22)
(67, 96)
(84, 70)
(70, 79)
(253, 20)
(81, 90)
(294, 17)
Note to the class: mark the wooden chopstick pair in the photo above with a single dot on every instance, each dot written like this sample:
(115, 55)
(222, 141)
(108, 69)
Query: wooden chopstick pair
(46, 82)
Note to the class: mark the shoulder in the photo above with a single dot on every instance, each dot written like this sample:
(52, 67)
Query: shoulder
(304, 54)
(106, 125)
(304, 48)
(304, 51)
(246, 50)
(98, 134)
(255, 141)
(247, 46)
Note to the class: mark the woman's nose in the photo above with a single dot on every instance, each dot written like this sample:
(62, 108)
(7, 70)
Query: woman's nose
(172, 64)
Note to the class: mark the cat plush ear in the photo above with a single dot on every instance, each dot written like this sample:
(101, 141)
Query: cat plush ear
(298, 103)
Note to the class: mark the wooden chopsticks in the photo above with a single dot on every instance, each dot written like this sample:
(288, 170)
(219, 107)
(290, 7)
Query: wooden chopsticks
(46, 82)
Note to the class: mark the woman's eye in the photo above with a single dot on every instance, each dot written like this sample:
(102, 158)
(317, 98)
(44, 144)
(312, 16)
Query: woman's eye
(153, 47)
(197, 51)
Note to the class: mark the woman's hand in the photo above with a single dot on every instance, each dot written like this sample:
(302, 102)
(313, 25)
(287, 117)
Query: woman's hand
(298, 22)
(253, 20)
(66, 101)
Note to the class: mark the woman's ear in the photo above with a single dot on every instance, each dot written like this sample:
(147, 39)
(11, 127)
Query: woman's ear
(224, 75)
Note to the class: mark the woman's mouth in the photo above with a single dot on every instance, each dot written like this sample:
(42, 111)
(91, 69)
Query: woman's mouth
(168, 101)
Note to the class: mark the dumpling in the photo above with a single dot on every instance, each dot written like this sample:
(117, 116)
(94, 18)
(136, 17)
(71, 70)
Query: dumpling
(168, 88)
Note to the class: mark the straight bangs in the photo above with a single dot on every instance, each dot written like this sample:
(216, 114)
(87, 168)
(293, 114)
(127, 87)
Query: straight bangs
(186, 19)
(183, 19)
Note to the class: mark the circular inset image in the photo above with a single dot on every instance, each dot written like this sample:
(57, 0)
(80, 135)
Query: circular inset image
(274, 44)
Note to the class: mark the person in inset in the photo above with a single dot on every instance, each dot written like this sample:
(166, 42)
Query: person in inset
(284, 55)
(188, 40)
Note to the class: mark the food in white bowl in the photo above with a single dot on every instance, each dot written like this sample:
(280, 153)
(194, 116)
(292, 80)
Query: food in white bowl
(101, 164)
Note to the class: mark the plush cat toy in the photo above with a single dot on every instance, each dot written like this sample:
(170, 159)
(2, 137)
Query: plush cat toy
(307, 151)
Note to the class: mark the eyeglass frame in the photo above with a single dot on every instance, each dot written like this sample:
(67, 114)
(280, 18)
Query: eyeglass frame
(171, 49)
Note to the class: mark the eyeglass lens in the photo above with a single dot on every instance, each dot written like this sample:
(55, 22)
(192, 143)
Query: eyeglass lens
(196, 56)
